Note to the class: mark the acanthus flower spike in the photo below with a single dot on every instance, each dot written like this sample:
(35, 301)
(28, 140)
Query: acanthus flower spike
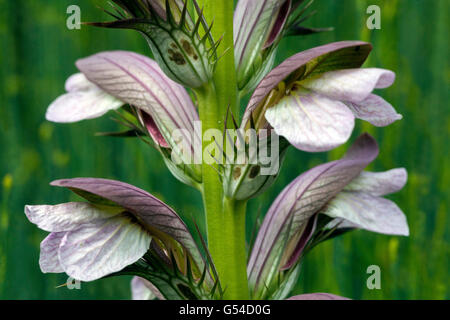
(310, 101)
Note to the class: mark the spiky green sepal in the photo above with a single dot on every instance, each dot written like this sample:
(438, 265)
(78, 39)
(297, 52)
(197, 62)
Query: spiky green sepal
(173, 272)
(248, 161)
(171, 282)
(298, 17)
(184, 48)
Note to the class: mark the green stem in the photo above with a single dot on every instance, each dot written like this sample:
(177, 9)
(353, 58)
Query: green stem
(225, 218)
(212, 188)
(234, 257)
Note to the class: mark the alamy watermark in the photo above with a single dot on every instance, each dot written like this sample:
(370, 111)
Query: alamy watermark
(73, 22)
(374, 20)
(374, 280)
(73, 284)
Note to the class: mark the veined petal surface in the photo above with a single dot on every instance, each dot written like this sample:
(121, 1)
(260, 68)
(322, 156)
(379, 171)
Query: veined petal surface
(379, 183)
(139, 81)
(311, 122)
(353, 85)
(66, 216)
(103, 247)
(368, 212)
(49, 255)
(297, 203)
(376, 110)
(83, 100)
(150, 211)
(257, 24)
(309, 63)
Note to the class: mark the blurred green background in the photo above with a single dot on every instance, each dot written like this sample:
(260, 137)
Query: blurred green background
(37, 54)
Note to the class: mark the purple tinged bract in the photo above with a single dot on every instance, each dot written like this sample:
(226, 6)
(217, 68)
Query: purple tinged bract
(313, 98)
(257, 25)
(290, 222)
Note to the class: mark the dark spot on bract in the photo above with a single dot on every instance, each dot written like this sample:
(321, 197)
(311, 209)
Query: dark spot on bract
(358, 48)
(188, 49)
(254, 172)
(236, 173)
(176, 57)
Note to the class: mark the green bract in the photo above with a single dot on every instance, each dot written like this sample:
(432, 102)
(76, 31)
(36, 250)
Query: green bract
(184, 50)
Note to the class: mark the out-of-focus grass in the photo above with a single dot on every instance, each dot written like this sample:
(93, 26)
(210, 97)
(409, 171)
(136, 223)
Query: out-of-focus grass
(38, 53)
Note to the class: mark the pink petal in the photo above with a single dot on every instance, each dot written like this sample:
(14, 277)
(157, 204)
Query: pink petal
(256, 23)
(152, 212)
(153, 130)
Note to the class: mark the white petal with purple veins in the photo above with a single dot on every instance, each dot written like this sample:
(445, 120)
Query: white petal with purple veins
(375, 110)
(48, 259)
(333, 56)
(140, 290)
(66, 216)
(296, 204)
(103, 247)
(311, 122)
(83, 101)
(369, 212)
(139, 81)
(379, 183)
(152, 212)
(353, 85)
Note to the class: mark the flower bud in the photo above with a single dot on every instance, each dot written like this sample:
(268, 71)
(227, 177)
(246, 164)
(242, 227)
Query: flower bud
(258, 25)
(183, 55)
(254, 169)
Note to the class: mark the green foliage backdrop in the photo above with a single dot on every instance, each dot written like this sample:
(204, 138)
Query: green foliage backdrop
(37, 54)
